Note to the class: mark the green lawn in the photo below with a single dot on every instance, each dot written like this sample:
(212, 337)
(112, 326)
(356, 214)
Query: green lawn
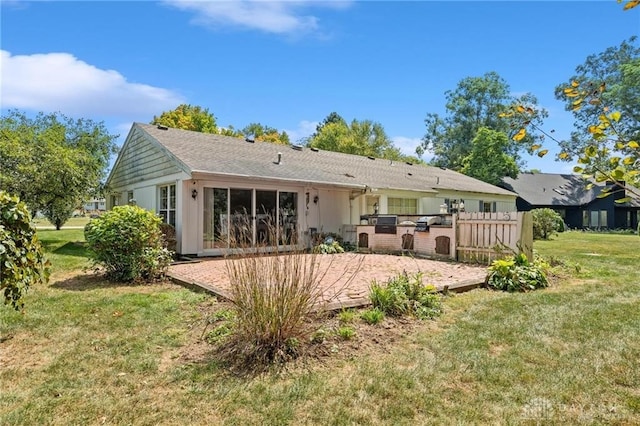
(90, 352)
(72, 222)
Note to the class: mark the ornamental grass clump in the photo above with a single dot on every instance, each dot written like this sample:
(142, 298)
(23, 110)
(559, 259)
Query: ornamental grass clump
(274, 292)
(516, 273)
(127, 244)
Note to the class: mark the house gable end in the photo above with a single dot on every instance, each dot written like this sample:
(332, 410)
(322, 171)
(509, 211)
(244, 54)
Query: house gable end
(142, 158)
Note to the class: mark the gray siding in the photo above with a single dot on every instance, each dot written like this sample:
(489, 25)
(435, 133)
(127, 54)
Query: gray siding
(141, 160)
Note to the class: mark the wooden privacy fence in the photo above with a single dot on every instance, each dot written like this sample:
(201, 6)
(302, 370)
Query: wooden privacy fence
(483, 237)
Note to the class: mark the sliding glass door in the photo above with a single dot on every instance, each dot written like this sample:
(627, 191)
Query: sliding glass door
(249, 217)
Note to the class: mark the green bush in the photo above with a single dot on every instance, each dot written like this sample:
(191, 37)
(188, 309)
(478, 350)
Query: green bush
(346, 316)
(22, 262)
(516, 273)
(403, 295)
(546, 222)
(346, 332)
(372, 316)
(328, 247)
(127, 242)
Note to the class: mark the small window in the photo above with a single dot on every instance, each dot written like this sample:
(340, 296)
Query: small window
(487, 206)
(402, 206)
(167, 208)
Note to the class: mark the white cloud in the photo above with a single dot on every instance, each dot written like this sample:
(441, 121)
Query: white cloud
(305, 129)
(408, 146)
(278, 17)
(61, 82)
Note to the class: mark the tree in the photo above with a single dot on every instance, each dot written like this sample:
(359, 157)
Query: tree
(617, 71)
(360, 138)
(476, 102)
(22, 262)
(188, 117)
(333, 117)
(262, 133)
(53, 162)
(488, 160)
(546, 222)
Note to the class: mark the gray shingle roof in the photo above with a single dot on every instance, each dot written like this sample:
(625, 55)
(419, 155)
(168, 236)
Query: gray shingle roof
(548, 189)
(209, 153)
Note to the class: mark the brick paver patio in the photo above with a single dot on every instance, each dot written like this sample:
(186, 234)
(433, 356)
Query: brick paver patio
(347, 276)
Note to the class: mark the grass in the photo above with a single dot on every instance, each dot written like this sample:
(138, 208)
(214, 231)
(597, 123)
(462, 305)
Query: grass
(89, 352)
(72, 222)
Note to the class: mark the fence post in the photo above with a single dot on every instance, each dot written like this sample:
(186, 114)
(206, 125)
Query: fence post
(525, 233)
(454, 240)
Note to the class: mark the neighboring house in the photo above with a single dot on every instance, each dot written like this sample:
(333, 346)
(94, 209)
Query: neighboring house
(579, 206)
(95, 205)
(204, 183)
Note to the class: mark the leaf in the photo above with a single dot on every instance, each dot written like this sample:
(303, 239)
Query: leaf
(520, 135)
(631, 4)
(543, 153)
(575, 84)
(578, 169)
(617, 174)
(590, 151)
(594, 101)
(589, 185)
(633, 144)
(563, 156)
(622, 200)
(520, 109)
(628, 161)
(535, 147)
(615, 116)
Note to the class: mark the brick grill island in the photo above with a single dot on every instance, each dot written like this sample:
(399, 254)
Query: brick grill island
(437, 242)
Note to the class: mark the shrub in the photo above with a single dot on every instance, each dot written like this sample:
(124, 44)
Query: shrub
(22, 261)
(546, 222)
(346, 316)
(328, 247)
(346, 332)
(274, 295)
(516, 273)
(372, 316)
(403, 295)
(127, 242)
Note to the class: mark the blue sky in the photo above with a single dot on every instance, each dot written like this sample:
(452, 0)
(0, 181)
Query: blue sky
(288, 64)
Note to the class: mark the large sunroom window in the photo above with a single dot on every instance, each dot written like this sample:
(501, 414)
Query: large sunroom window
(247, 217)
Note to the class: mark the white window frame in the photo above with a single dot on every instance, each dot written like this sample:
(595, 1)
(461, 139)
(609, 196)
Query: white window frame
(166, 212)
(403, 207)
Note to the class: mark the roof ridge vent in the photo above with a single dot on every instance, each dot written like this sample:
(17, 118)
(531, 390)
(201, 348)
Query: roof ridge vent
(370, 157)
(250, 140)
(161, 127)
(314, 149)
(296, 147)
